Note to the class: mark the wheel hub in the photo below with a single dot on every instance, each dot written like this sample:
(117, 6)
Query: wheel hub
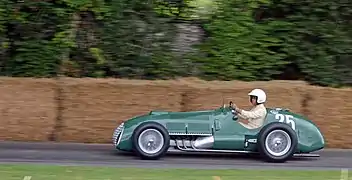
(150, 142)
(278, 142)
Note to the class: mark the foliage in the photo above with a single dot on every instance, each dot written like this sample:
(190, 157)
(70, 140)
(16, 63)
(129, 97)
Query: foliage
(134, 41)
(27, 52)
(260, 40)
(246, 40)
(238, 47)
(317, 39)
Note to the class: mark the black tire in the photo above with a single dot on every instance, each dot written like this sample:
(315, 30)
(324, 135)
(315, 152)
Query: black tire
(150, 126)
(282, 128)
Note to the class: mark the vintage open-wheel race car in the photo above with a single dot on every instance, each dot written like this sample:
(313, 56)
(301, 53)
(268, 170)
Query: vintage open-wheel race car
(284, 134)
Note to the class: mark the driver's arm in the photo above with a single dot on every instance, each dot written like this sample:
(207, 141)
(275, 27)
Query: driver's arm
(241, 116)
(251, 114)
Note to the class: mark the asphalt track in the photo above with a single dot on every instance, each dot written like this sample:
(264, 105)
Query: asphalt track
(105, 155)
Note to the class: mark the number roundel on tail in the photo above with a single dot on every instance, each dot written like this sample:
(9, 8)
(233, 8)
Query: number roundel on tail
(286, 118)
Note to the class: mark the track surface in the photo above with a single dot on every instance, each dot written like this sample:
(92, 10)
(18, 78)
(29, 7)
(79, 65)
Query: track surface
(105, 155)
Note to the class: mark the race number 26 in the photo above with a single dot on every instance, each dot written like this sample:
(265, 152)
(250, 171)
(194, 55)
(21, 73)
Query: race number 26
(288, 119)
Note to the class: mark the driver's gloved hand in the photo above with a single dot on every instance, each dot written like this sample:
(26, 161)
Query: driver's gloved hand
(234, 106)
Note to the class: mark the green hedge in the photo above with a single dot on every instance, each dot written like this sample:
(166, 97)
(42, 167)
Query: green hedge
(246, 40)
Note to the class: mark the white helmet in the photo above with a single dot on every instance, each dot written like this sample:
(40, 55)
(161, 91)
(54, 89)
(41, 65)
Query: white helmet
(260, 94)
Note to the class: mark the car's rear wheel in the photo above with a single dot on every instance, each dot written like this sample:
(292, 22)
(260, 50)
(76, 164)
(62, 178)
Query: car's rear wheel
(151, 140)
(277, 142)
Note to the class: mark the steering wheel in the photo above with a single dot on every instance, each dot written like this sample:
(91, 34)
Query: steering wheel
(235, 117)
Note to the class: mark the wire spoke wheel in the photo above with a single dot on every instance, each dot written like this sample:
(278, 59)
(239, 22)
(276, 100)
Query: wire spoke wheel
(151, 141)
(278, 143)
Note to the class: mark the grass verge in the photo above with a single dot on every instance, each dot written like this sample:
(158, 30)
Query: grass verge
(46, 172)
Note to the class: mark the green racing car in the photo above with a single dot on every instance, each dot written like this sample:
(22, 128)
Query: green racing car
(283, 135)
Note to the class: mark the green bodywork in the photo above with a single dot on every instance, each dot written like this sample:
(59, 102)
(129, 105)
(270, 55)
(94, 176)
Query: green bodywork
(227, 132)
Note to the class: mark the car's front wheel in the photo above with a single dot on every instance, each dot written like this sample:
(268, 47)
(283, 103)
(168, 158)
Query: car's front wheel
(277, 142)
(151, 140)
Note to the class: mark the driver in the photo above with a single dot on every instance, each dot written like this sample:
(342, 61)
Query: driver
(254, 117)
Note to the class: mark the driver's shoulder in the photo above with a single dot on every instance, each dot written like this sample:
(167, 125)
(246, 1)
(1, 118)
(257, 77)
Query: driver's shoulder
(261, 107)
